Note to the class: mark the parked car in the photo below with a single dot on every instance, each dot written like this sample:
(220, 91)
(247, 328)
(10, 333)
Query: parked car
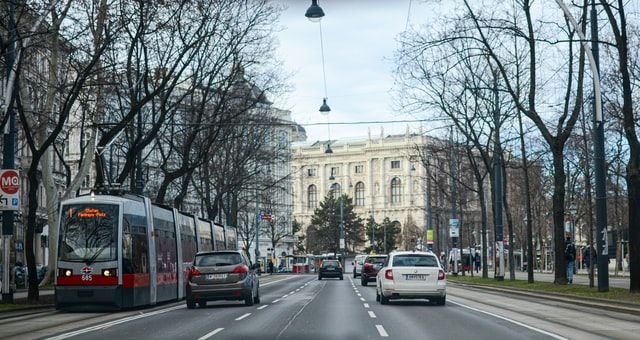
(412, 275)
(372, 265)
(222, 275)
(330, 268)
(358, 262)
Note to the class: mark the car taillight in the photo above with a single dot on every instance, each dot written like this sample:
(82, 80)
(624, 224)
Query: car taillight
(193, 272)
(388, 274)
(242, 270)
(441, 275)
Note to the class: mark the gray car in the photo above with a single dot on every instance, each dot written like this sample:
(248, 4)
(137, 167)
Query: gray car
(222, 275)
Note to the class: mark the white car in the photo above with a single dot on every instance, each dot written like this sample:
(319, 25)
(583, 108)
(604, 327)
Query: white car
(358, 262)
(412, 275)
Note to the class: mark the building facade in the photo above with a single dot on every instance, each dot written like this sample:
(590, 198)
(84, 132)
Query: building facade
(383, 175)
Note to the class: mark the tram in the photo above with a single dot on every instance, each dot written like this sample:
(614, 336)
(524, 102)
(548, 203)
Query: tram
(123, 251)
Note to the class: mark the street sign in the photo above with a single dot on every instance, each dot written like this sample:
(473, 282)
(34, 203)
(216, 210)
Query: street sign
(430, 236)
(266, 217)
(454, 227)
(341, 243)
(9, 190)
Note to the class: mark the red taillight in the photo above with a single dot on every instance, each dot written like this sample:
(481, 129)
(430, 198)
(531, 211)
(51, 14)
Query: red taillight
(388, 274)
(193, 272)
(441, 274)
(241, 269)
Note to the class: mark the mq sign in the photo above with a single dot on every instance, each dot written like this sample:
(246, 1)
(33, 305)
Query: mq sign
(9, 190)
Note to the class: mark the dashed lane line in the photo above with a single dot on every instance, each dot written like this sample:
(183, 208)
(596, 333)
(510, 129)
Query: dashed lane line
(366, 305)
(113, 323)
(381, 331)
(362, 299)
(210, 334)
(553, 335)
(276, 300)
(242, 316)
(263, 307)
(372, 314)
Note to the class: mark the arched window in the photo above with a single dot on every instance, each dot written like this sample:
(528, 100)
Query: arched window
(335, 190)
(396, 188)
(312, 197)
(360, 194)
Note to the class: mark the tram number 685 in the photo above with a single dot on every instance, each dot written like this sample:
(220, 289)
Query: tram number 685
(87, 277)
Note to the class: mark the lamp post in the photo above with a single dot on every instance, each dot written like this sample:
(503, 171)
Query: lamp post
(598, 145)
(8, 161)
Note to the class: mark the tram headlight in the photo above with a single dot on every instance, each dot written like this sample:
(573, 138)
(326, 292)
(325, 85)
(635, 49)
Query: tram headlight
(109, 272)
(66, 272)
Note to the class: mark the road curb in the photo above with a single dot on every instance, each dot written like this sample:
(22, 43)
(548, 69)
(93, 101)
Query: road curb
(618, 306)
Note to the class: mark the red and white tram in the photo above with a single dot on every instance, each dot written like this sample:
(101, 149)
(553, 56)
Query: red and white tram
(124, 251)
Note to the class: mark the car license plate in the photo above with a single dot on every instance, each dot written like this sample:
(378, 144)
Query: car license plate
(417, 277)
(216, 276)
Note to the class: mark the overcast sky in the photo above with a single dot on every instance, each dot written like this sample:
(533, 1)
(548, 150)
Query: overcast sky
(359, 42)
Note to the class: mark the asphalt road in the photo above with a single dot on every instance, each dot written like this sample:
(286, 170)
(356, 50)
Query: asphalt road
(301, 307)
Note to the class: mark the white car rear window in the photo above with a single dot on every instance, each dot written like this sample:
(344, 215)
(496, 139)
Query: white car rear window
(415, 260)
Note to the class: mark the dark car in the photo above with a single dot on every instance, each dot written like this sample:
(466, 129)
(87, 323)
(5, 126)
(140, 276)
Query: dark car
(330, 268)
(222, 275)
(372, 265)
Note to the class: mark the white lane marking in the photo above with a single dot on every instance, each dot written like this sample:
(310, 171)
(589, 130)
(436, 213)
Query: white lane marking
(381, 330)
(276, 281)
(285, 296)
(210, 334)
(297, 290)
(366, 305)
(359, 294)
(242, 316)
(276, 300)
(372, 314)
(291, 292)
(113, 323)
(362, 299)
(263, 307)
(553, 335)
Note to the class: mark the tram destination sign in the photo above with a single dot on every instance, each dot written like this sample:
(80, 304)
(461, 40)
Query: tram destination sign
(9, 189)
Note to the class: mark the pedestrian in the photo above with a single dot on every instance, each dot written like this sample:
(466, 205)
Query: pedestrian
(477, 260)
(270, 264)
(570, 257)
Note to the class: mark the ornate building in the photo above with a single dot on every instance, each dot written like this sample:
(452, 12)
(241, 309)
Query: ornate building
(383, 175)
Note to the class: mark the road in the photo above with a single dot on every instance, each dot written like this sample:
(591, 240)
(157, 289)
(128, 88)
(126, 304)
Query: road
(301, 307)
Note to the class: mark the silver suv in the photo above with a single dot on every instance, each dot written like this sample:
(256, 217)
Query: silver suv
(222, 275)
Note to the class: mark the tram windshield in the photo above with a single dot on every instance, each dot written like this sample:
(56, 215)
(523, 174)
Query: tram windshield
(88, 233)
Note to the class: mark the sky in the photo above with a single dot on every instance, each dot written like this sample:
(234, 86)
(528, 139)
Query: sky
(360, 38)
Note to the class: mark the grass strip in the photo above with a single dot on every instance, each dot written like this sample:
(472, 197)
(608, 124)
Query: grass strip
(614, 294)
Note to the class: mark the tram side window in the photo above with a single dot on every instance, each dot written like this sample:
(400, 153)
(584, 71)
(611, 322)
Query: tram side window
(135, 245)
(165, 245)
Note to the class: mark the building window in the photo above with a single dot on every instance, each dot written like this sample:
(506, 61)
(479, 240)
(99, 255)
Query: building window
(311, 172)
(359, 194)
(395, 164)
(395, 190)
(359, 169)
(335, 171)
(335, 190)
(312, 197)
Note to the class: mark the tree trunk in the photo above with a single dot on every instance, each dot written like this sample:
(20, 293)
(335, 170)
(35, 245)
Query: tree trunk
(559, 180)
(527, 190)
(33, 294)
